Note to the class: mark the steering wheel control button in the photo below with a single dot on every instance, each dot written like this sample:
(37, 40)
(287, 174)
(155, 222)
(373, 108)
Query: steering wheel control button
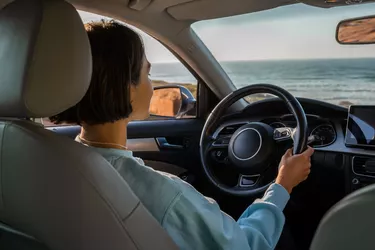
(222, 141)
(220, 155)
(281, 134)
(244, 137)
(248, 180)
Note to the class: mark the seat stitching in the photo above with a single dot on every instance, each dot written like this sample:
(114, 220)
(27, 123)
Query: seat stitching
(131, 213)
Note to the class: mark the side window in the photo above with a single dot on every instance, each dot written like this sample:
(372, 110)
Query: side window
(175, 88)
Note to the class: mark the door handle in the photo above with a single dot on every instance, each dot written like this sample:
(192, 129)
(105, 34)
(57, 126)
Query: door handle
(164, 144)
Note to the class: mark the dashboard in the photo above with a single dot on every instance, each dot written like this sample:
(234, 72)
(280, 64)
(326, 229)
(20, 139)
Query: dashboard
(322, 129)
(327, 124)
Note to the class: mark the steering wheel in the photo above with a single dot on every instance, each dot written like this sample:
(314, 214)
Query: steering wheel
(252, 148)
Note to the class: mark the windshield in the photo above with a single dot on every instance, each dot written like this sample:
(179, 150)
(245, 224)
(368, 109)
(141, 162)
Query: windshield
(294, 47)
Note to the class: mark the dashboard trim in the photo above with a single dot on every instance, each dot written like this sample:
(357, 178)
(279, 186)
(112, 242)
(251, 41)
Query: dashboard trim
(307, 115)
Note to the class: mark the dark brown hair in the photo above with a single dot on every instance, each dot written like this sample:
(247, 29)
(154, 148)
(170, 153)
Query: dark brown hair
(117, 54)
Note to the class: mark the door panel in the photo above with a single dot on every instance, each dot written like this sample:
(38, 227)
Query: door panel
(165, 128)
(177, 141)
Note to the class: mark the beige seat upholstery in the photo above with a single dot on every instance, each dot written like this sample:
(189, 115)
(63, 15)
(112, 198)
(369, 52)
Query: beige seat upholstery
(51, 188)
(350, 224)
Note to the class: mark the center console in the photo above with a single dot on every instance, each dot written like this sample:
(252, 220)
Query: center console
(360, 133)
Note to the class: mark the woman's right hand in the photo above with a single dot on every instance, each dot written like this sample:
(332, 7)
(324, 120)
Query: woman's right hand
(294, 169)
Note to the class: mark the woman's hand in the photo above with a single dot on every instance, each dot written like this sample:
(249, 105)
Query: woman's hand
(294, 169)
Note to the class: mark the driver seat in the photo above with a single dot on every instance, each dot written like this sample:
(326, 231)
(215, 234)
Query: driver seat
(52, 189)
(350, 224)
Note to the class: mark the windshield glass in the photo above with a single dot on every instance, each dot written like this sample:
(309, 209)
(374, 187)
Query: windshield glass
(294, 47)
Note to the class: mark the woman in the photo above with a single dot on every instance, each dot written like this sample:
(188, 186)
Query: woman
(120, 91)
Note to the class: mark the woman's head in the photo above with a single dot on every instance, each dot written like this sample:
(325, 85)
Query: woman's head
(120, 87)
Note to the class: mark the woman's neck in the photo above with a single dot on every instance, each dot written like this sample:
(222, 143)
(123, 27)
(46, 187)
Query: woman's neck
(106, 134)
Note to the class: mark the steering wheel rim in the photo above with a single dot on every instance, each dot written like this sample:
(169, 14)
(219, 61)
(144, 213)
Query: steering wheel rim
(300, 137)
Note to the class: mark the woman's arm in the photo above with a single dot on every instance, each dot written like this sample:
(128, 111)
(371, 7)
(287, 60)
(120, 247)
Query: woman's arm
(270, 226)
(196, 222)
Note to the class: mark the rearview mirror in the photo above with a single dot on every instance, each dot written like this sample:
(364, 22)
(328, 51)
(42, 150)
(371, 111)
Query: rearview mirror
(356, 31)
(172, 101)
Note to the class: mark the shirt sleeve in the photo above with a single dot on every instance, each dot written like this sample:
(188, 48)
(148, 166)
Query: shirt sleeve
(195, 222)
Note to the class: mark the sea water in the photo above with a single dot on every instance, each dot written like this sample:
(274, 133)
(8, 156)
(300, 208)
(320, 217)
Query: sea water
(337, 81)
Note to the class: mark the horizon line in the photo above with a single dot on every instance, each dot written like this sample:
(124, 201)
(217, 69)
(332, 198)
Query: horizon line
(278, 59)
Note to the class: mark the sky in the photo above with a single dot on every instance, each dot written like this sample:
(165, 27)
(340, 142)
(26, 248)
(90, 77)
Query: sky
(290, 32)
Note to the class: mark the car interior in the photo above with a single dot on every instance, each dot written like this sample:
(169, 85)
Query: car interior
(58, 194)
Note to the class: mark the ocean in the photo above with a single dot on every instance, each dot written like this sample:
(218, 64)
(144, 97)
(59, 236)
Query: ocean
(337, 81)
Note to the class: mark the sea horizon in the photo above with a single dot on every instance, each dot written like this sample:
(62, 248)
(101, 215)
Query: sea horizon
(334, 80)
(276, 60)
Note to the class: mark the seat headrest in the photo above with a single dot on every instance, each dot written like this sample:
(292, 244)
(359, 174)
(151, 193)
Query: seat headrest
(45, 58)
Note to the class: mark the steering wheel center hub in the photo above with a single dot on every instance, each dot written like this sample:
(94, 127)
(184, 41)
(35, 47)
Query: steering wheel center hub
(250, 137)
(251, 147)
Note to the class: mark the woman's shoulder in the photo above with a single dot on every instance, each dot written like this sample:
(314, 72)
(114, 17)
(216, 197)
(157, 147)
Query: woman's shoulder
(134, 166)
(157, 190)
(134, 169)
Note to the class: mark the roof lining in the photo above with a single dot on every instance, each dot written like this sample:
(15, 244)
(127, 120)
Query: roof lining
(210, 9)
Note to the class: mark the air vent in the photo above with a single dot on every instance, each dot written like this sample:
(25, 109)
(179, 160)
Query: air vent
(230, 129)
(364, 166)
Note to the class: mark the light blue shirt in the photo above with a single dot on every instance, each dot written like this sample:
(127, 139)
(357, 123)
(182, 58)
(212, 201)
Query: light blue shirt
(194, 221)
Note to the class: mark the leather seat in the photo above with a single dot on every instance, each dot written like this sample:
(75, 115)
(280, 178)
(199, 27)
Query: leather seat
(350, 224)
(53, 189)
